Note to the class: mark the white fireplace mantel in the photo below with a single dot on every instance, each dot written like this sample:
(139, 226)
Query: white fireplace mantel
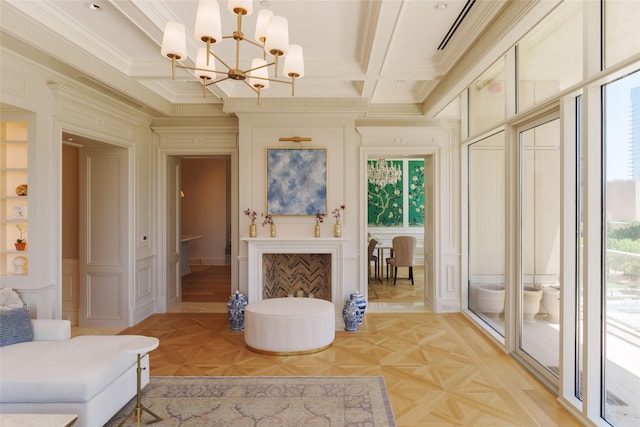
(257, 246)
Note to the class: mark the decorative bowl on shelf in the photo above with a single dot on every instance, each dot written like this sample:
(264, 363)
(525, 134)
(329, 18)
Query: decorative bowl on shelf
(21, 190)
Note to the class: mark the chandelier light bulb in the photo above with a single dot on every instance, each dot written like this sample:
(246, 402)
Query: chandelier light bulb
(241, 7)
(262, 22)
(259, 73)
(174, 42)
(204, 71)
(277, 43)
(208, 27)
(293, 62)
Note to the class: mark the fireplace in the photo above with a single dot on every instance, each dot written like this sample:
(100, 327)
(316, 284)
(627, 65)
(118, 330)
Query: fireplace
(300, 275)
(278, 267)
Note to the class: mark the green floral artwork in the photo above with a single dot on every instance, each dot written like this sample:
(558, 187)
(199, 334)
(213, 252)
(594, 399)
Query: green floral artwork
(416, 193)
(386, 204)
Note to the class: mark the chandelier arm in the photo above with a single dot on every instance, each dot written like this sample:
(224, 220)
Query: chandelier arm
(260, 45)
(251, 87)
(221, 61)
(217, 81)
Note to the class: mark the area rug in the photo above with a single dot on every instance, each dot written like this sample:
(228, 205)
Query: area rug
(264, 402)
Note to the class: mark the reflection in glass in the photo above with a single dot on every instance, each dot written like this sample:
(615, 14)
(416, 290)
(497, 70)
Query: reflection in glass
(621, 287)
(579, 320)
(621, 23)
(539, 293)
(486, 281)
(487, 99)
(550, 56)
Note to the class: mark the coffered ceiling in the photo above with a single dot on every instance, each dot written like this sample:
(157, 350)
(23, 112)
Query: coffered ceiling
(379, 54)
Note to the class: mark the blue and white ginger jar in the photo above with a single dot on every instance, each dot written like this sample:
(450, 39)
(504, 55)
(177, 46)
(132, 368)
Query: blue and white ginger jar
(361, 301)
(351, 315)
(235, 310)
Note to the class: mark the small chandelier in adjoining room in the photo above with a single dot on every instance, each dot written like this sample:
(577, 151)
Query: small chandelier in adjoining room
(271, 36)
(383, 173)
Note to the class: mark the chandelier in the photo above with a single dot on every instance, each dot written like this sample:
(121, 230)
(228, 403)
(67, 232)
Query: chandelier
(271, 36)
(383, 173)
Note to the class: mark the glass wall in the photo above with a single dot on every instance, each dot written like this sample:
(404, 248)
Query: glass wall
(560, 183)
(621, 23)
(539, 290)
(621, 252)
(486, 201)
(550, 56)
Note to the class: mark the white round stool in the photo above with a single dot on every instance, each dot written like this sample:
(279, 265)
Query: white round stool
(287, 326)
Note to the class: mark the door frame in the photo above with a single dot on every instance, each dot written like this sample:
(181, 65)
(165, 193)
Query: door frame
(163, 219)
(433, 273)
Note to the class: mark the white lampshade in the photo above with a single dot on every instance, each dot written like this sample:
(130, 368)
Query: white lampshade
(264, 15)
(294, 62)
(201, 62)
(208, 26)
(174, 42)
(247, 5)
(261, 72)
(277, 36)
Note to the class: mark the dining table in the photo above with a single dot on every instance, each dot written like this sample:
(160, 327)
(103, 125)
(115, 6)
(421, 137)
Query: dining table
(381, 249)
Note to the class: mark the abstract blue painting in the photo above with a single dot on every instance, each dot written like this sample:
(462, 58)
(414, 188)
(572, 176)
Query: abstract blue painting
(296, 181)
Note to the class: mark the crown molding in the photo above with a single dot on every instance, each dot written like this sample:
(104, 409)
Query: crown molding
(285, 105)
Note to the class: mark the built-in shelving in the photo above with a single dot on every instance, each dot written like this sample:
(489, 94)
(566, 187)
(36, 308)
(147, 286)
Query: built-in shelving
(14, 197)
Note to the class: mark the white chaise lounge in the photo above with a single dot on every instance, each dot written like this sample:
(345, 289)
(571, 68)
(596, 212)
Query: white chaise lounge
(53, 373)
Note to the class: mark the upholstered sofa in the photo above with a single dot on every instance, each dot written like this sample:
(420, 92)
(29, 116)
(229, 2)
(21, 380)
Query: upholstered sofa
(53, 373)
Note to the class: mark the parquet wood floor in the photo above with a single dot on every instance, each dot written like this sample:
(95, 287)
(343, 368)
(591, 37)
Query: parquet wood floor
(207, 283)
(439, 370)
(212, 283)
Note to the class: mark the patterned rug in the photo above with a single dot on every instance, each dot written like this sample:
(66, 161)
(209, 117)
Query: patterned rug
(264, 402)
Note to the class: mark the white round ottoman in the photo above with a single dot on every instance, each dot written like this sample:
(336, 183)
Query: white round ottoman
(285, 326)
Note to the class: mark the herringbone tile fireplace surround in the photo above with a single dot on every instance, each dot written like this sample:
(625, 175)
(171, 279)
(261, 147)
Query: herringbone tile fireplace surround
(284, 274)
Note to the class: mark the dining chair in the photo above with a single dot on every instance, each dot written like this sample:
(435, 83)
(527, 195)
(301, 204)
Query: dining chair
(372, 258)
(403, 250)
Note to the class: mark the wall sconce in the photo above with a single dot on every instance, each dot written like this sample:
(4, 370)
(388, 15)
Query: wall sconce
(181, 194)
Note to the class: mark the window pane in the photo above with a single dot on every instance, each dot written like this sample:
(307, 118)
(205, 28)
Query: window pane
(621, 36)
(487, 99)
(550, 56)
(621, 287)
(486, 279)
(540, 212)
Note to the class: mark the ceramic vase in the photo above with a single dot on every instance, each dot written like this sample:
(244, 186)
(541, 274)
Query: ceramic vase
(316, 230)
(272, 230)
(351, 315)
(337, 230)
(252, 230)
(235, 310)
(361, 302)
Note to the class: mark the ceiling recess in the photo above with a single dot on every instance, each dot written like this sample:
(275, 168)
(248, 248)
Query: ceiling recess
(463, 13)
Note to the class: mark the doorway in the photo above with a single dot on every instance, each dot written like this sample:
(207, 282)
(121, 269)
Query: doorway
(205, 228)
(95, 246)
(402, 207)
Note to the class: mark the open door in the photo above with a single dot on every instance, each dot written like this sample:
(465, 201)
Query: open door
(173, 295)
(103, 249)
(429, 230)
